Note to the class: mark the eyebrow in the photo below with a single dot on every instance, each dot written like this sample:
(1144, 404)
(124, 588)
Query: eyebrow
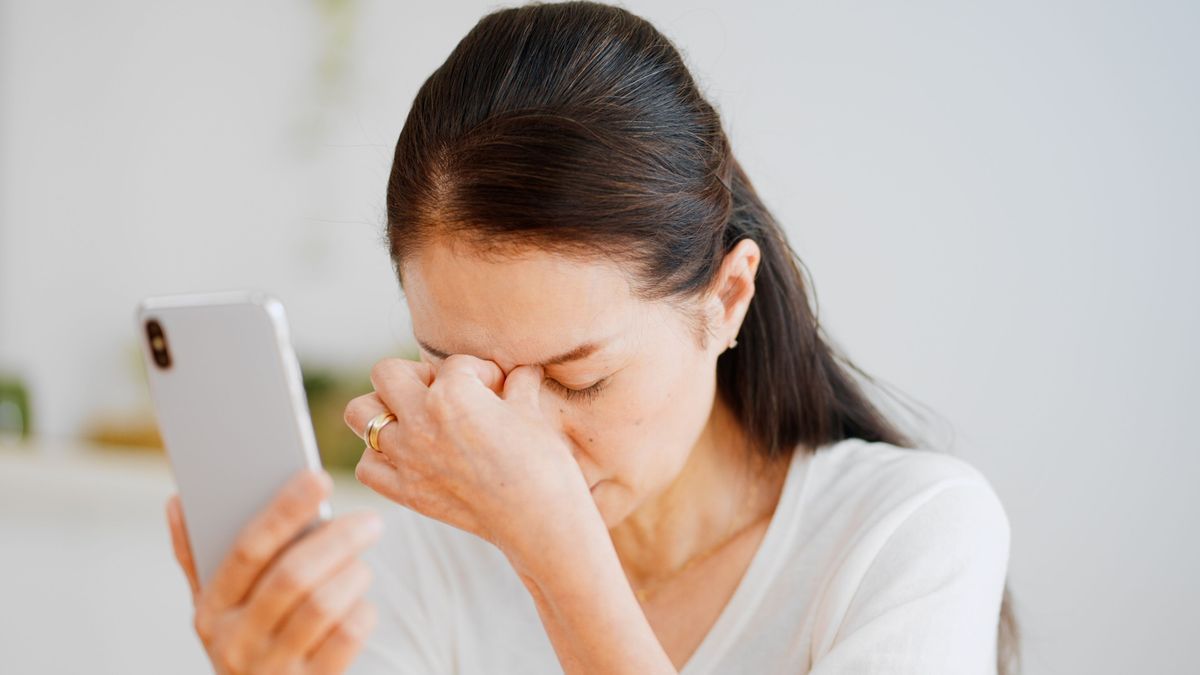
(581, 352)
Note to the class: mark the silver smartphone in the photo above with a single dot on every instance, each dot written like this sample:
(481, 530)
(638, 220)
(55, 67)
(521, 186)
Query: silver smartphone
(231, 409)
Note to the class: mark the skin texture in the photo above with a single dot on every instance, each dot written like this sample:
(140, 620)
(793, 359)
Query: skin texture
(278, 604)
(655, 416)
(644, 475)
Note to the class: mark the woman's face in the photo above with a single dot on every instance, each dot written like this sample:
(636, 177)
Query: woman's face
(631, 404)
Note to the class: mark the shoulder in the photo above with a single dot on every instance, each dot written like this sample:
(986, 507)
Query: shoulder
(855, 464)
(916, 546)
(872, 481)
(876, 500)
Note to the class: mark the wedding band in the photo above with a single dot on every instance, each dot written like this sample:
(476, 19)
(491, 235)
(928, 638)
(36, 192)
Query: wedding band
(377, 422)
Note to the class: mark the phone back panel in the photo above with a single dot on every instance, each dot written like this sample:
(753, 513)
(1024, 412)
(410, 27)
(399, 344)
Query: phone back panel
(231, 410)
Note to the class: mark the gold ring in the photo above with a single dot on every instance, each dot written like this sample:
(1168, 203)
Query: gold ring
(377, 422)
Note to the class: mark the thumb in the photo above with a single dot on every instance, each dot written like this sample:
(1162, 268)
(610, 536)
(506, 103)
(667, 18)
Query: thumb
(523, 386)
(179, 542)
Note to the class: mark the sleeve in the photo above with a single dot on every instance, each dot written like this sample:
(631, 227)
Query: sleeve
(929, 600)
(409, 590)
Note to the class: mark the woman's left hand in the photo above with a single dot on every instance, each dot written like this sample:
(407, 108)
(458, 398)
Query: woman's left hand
(469, 447)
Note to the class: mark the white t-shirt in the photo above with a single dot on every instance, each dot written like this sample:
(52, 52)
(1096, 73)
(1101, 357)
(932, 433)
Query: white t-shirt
(878, 559)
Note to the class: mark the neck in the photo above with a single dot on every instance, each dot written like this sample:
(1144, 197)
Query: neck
(723, 487)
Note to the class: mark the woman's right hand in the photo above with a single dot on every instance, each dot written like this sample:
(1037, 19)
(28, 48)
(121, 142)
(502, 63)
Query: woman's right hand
(281, 604)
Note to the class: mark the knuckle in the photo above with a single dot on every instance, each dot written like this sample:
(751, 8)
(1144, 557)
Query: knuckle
(378, 368)
(290, 579)
(360, 470)
(419, 432)
(355, 412)
(248, 552)
(381, 369)
(228, 656)
(304, 489)
(442, 401)
(289, 508)
(350, 630)
(202, 624)
(317, 606)
(228, 661)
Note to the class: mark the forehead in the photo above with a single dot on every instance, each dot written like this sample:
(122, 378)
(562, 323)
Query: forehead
(516, 309)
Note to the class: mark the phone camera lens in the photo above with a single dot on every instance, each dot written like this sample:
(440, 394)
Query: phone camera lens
(158, 343)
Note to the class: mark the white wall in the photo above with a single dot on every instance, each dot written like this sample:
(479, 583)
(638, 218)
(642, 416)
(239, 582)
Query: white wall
(998, 202)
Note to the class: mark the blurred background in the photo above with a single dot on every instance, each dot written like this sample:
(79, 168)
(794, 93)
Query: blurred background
(999, 203)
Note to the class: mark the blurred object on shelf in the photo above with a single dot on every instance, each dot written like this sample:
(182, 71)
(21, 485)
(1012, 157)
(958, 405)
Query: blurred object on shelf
(124, 428)
(15, 424)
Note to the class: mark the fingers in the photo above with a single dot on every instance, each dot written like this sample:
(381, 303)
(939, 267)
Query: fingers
(377, 472)
(294, 507)
(398, 379)
(339, 646)
(179, 542)
(324, 607)
(465, 365)
(359, 412)
(397, 382)
(524, 386)
(304, 567)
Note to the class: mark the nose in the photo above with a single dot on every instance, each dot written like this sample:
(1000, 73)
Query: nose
(556, 415)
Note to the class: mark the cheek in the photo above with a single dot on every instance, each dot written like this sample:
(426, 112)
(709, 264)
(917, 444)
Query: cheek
(640, 436)
(679, 400)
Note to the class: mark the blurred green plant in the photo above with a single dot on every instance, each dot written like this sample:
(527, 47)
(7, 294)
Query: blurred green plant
(329, 390)
(15, 415)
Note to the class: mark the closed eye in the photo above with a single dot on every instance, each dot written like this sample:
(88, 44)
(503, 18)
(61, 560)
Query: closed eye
(570, 394)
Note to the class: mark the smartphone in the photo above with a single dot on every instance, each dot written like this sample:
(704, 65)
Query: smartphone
(230, 404)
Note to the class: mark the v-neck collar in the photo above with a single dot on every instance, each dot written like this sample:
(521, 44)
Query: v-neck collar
(763, 568)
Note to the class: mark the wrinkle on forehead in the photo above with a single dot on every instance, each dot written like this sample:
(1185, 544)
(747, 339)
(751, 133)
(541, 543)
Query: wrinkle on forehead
(517, 309)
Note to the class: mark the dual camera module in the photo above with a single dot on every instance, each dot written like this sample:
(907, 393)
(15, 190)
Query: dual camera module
(158, 344)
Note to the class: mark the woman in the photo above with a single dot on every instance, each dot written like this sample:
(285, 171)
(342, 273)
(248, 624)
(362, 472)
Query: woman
(627, 446)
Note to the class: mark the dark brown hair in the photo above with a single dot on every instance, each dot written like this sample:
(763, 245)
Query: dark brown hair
(576, 127)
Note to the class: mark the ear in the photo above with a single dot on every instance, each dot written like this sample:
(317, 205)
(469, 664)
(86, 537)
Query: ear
(733, 290)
